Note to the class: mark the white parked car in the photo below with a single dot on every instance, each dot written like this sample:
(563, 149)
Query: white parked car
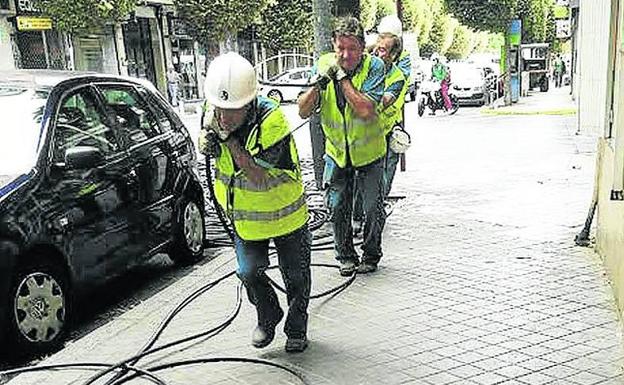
(469, 84)
(288, 85)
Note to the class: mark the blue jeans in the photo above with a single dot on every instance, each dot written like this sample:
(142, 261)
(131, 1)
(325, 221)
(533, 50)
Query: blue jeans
(392, 159)
(293, 251)
(339, 200)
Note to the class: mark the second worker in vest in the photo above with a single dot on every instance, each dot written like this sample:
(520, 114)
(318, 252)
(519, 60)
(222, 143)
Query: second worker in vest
(349, 88)
(258, 184)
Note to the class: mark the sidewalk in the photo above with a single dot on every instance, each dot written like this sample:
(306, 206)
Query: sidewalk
(557, 101)
(480, 283)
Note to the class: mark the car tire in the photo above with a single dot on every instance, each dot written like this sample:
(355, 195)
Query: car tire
(421, 107)
(544, 85)
(188, 232)
(39, 307)
(455, 103)
(275, 95)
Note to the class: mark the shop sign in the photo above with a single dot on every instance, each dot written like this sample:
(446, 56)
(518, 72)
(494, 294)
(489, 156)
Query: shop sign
(28, 23)
(27, 7)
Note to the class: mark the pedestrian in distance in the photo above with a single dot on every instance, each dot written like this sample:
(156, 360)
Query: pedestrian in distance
(347, 90)
(258, 184)
(173, 86)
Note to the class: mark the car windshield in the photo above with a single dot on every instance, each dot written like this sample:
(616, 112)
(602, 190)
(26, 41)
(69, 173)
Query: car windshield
(22, 110)
(466, 74)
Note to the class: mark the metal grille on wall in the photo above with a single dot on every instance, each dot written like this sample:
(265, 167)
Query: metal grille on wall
(39, 50)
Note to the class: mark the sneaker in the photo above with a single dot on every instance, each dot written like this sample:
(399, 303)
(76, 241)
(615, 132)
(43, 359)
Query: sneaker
(262, 336)
(367, 267)
(347, 268)
(296, 345)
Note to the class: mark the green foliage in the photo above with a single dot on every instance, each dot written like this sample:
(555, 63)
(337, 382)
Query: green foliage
(84, 16)
(537, 20)
(213, 20)
(463, 43)
(287, 24)
(368, 14)
(484, 15)
(441, 36)
(384, 8)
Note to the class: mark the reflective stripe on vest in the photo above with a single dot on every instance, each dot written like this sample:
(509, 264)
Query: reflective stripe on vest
(366, 140)
(274, 209)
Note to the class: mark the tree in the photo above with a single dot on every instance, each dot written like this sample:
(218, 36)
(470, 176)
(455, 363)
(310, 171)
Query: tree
(84, 16)
(368, 14)
(384, 8)
(441, 36)
(488, 15)
(463, 43)
(218, 20)
(287, 24)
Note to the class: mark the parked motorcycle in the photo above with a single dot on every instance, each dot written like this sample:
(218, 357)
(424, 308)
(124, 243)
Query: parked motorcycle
(431, 96)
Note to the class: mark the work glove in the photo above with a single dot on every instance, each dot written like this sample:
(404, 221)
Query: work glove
(333, 70)
(209, 143)
(320, 81)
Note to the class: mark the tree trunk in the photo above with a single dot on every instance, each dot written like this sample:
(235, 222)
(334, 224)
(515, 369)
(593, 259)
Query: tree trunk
(322, 43)
(229, 44)
(507, 70)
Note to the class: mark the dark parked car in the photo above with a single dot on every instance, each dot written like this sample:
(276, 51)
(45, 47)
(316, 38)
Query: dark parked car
(97, 174)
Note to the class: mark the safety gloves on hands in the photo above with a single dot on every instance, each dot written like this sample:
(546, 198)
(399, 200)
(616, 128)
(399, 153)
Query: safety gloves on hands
(327, 72)
(209, 143)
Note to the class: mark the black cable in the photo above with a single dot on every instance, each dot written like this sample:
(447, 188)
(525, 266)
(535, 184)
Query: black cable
(81, 366)
(224, 359)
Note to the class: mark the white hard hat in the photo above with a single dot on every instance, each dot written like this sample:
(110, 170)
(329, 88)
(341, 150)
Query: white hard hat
(399, 140)
(390, 24)
(231, 82)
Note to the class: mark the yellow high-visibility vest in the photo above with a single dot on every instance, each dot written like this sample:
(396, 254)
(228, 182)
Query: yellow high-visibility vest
(393, 114)
(365, 139)
(262, 212)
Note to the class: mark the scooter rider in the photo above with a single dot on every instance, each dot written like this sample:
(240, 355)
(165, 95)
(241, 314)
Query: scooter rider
(440, 73)
(258, 183)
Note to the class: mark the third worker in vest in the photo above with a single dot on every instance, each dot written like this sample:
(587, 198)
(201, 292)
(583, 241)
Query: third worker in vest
(389, 48)
(349, 89)
(258, 184)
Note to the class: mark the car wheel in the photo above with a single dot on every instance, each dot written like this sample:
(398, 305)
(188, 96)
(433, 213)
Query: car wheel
(421, 107)
(39, 307)
(276, 95)
(188, 233)
(455, 103)
(544, 85)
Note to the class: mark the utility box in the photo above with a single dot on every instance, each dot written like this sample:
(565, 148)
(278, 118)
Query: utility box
(535, 60)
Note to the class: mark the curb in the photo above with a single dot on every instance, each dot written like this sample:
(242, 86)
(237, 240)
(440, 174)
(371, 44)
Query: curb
(503, 111)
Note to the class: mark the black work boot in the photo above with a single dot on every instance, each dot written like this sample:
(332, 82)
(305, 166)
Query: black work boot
(263, 335)
(296, 344)
(347, 268)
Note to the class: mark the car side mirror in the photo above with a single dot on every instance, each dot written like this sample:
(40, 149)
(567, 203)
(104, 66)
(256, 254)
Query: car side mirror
(82, 157)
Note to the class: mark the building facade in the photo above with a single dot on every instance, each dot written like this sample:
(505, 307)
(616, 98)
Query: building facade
(606, 65)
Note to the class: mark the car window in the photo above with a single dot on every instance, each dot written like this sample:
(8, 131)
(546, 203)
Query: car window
(164, 120)
(81, 122)
(134, 118)
(296, 76)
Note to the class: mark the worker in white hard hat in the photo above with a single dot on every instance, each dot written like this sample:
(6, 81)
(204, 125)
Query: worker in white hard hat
(392, 25)
(258, 184)
(388, 48)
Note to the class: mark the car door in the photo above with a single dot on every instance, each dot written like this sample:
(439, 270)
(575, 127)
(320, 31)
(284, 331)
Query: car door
(146, 143)
(90, 207)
